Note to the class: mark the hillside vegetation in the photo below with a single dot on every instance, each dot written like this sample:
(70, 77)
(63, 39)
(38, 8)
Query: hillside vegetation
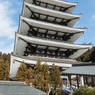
(88, 56)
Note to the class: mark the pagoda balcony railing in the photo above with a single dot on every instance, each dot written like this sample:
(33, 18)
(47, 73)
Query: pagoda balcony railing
(43, 55)
(51, 37)
(47, 52)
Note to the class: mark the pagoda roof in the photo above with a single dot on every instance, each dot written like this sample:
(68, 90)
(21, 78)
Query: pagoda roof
(53, 45)
(26, 23)
(50, 15)
(55, 4)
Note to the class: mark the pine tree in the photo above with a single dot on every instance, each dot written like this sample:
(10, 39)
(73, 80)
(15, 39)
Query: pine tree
(21, 73)
(41, 75)
(45, 78)
(37, 75)
(4, 70)
(30, 74)
(55, 78)
(1, 69)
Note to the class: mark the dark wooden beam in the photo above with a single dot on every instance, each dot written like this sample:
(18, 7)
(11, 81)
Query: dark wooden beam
(68, 36)
(56, 52)
(34, 1)
(46, 18)
(61, 22)
(77, 81)
(46, 50)
(38, 17)
(26, 23)
(55, 20)
(64, 36)
(60, 8)
(46, 32)
(54, 7)
(65, 9)
(66, 22)
(67, 53)
(46, 5)
(69, 77)
(92, 82)
(87, 80)
(32, 12)
(34, 32)
(55, 35)
(39, 3)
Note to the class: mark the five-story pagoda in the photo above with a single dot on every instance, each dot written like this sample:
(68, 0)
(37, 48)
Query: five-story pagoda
(46, 31)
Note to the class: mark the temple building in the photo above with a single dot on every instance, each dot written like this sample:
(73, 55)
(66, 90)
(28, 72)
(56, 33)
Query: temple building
(46, 31)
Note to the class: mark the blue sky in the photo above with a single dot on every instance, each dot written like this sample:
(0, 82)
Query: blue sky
(9, 21)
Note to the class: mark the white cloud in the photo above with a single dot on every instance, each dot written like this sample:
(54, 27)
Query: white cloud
(7, 26)
(93, 16)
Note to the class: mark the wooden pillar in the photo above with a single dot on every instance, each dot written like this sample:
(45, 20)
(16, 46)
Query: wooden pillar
(92, 81)
(77, 81)
(69, 77)
(87, 80)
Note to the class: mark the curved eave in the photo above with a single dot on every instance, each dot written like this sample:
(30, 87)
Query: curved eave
(27, 13)
(58, 3)
(48, 26)
(20, 45)
(78, 53)
(53, 43)
(52, 60)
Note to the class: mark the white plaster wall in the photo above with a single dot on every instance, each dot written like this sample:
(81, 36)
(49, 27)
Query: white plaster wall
(20, 47)
(13, 67)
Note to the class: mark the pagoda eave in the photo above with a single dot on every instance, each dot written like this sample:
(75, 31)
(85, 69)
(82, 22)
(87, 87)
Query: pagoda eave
(49, 15)
(56, 27)
(54, 4)
(53, 43)
(67, 50)
(33, 26)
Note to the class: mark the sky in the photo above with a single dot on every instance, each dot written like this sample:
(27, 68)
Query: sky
(10, 11)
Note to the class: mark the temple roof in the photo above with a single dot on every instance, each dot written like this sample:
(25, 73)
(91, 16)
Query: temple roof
(80, 70)
(18, 88)
(68, 6)
(49, 15)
